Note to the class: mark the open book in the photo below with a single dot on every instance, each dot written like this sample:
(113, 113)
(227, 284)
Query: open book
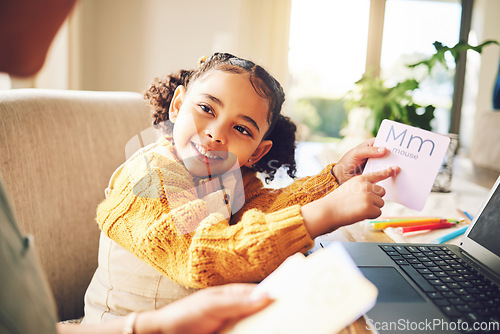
(418, 152)
(322, 293)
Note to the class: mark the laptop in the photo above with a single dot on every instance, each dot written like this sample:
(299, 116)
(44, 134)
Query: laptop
(429, 288)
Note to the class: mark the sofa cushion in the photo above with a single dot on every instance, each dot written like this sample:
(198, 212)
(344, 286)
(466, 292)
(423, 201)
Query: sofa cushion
(57, 152)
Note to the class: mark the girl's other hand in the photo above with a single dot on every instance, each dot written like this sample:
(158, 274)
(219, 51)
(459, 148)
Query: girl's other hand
(354, 161)
(357, 199)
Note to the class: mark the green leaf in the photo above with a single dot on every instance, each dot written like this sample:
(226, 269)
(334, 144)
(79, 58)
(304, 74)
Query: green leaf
(456, 50)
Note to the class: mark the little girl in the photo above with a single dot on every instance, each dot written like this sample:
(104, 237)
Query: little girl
(189, 211)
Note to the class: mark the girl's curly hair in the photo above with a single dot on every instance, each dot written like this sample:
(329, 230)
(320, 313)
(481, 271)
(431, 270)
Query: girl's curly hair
(281, 129)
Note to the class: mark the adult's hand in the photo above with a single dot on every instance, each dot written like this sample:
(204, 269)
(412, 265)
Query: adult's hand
(206, 311)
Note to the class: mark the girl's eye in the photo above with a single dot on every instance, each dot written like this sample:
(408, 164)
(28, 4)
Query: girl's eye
(206, 109)
(243, 130)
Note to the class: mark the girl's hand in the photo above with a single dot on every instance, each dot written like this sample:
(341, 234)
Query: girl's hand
(357, 199)
(354, 161)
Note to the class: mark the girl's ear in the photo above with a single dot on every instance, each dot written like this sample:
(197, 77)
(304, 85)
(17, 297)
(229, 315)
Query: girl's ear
(261, 151)
(176, 103)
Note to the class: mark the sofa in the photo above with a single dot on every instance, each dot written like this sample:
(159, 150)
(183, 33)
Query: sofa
(58, 149)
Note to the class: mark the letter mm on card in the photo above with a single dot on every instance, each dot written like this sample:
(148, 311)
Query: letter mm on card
(418, 152)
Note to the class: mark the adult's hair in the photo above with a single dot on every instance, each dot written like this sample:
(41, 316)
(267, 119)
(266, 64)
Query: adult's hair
(27, 29)
(281, 129)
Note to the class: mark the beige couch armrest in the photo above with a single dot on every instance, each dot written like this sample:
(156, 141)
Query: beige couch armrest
(57, 152)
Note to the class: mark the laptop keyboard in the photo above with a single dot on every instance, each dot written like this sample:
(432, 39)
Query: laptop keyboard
(460, 291)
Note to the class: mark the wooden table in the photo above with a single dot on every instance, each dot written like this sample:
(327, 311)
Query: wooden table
(470, 188)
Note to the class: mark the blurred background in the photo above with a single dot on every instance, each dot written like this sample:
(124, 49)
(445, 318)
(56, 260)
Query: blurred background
(317, 49)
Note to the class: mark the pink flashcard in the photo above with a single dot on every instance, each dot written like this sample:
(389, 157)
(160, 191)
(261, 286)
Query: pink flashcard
(418, 152)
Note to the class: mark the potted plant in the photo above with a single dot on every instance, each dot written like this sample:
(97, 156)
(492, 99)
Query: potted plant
(396, 102)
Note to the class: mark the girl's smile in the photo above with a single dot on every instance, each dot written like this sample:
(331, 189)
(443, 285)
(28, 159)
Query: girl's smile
(219, 123)
(209, 154)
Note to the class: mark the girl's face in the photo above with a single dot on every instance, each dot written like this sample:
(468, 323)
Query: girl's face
(219, 123)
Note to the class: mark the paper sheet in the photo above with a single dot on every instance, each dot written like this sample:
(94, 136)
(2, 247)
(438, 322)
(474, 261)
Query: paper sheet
(322, 293)
(418, 152)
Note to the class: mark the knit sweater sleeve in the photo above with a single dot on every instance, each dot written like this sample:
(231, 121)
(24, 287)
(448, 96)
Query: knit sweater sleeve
(156, 214)
(300, 192)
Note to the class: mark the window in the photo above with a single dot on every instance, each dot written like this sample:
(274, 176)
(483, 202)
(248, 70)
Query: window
(410, 29)
(328, 54)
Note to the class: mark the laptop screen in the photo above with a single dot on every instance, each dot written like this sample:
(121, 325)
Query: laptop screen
(487, 227)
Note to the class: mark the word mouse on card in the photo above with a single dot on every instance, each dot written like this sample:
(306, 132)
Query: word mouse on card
(419, 154)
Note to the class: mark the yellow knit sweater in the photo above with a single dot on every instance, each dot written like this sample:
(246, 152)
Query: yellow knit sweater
(153, 211)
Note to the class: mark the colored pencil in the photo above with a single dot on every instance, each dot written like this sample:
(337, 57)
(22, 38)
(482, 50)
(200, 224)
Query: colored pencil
(466, 215)
(449, 236)
(381, 224)
(427, 227)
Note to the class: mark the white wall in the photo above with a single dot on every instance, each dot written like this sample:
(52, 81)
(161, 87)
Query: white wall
(124, 44)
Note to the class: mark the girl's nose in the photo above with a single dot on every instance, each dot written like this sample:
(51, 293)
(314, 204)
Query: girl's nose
(216, 136)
